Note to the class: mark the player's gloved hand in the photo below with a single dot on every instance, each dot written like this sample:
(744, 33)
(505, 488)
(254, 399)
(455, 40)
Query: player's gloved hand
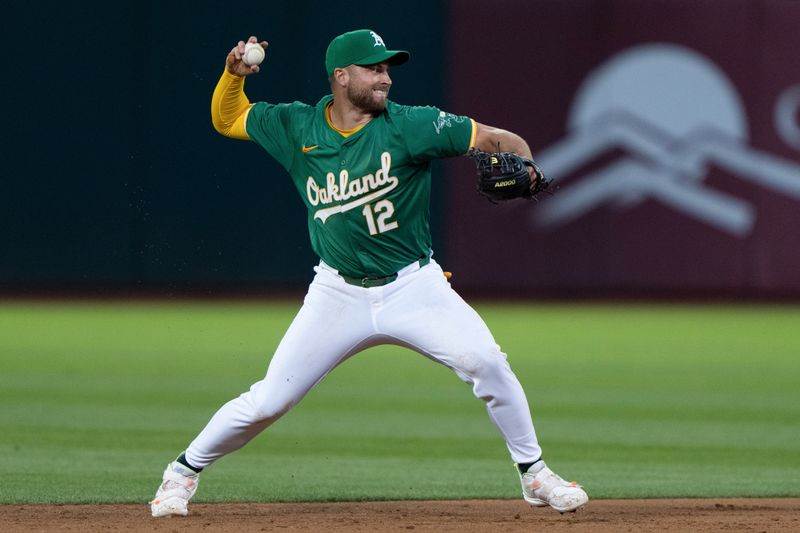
(234, 62)
(505, 175)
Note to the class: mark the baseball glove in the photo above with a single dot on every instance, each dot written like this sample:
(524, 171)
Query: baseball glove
(504, 176)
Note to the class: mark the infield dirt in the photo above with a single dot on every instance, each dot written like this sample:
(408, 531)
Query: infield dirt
(464, 516)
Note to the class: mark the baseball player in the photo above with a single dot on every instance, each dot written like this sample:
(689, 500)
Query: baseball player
(361, 164)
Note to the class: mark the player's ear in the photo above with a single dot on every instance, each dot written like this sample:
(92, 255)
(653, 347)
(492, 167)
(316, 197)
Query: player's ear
(341, 77)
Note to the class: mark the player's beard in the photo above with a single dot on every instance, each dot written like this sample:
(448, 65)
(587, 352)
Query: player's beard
(365, 99)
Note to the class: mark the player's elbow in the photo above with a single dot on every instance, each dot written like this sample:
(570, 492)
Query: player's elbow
(223, 128)
(233, 130)
(219, 126)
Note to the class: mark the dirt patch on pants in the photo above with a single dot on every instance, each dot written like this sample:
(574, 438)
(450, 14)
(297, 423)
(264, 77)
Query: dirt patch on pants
(461, 516)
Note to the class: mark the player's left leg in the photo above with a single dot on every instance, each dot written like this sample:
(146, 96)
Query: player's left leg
(423, 312)
(428, 316)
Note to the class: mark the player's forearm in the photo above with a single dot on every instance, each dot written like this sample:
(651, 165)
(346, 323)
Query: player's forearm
(229, 106)
(489, 138)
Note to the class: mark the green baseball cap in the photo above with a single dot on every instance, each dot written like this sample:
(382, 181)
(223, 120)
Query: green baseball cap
(360, 47)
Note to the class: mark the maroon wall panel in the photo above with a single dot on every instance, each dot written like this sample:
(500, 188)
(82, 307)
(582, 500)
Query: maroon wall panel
(670, 126)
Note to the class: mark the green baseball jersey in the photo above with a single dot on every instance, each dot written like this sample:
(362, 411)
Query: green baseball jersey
(367, 194)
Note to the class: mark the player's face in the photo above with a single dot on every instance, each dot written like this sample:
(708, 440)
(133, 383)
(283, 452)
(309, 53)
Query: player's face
(369, 86)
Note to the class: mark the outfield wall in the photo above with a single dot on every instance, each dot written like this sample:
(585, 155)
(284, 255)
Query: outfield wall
(113, 176)
(670, 126)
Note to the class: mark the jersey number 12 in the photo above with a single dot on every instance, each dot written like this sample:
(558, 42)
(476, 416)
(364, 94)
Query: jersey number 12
(383, 209)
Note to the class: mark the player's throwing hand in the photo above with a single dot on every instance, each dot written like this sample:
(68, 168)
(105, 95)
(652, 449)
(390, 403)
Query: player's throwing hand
(234, 62)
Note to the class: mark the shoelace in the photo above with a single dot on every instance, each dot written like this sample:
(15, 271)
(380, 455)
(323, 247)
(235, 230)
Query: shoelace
(176, 485)
(550, 480)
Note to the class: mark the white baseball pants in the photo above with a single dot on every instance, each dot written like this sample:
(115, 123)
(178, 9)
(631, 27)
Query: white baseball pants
(419, 310)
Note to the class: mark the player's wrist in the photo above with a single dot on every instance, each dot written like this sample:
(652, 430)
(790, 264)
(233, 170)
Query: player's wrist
(231, 75)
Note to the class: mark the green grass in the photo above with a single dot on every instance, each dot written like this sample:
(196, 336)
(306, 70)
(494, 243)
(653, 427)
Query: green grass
(633, 401)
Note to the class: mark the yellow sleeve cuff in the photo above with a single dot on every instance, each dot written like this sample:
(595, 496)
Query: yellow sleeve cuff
(473, 135)
(229, 106)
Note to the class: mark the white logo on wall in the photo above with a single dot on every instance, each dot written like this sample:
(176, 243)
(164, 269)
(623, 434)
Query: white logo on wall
(378, 39)
(674, 113)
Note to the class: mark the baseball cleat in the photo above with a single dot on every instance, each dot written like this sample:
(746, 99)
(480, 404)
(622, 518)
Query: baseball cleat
(177, 487)
(542, 487)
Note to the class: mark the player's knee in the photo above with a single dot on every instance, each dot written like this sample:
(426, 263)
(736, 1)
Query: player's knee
(479, 364)
(266, 405)
(468, 363)
(271, 410)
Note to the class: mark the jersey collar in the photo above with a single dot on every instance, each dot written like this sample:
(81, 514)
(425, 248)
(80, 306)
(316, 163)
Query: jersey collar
(343, 133)
(324, 109)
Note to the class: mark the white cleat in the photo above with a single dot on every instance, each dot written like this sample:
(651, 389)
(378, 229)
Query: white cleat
(177, 487)
(542, 487)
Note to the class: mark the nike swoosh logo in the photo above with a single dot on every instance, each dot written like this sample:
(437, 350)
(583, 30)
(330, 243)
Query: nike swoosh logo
(307, 149)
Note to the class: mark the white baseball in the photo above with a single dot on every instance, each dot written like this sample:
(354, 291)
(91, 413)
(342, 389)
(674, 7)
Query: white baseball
(253, 54)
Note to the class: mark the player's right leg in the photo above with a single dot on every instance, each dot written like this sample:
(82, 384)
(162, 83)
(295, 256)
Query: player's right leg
(332, 324)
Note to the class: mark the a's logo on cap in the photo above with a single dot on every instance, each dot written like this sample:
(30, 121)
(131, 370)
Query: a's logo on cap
(378, 39)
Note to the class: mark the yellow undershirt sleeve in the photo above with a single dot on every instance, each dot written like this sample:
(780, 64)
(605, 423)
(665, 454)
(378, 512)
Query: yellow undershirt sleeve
(229, 107)
(474, 135)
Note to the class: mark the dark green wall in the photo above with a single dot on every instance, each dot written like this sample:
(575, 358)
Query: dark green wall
(112, 175)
